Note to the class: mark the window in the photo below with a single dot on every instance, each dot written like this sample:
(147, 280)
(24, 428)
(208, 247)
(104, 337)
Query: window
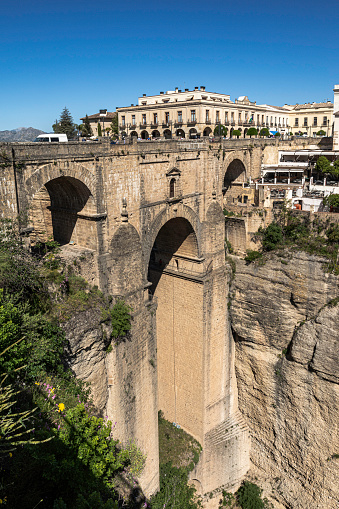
(325, 121)
(133, 119)
(246, 116)
(155, 118)
(207, 115)
(239, 117)
(226, 116)
(167, 117)
(267, 120)
(192, 115)
(296, 122)
(123, 120)
(245, 198)
(258, 121)
(232, 117)
(172, 188)
(305, 121)
(144, 118)
(179, 116)
(275, 120)
(315, 121)
(271, 120)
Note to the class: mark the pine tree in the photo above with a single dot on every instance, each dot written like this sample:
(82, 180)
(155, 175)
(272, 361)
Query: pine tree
(99, 129)
(87, 130)
(114, 125)
(65, 124)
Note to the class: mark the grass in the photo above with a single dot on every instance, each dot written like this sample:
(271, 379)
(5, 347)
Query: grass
(177, 446)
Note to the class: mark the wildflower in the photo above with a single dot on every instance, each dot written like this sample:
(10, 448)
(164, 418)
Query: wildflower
(61, 407)
(37, 383)
(10, 454)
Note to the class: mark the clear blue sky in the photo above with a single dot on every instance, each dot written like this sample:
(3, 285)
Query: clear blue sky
(87, 55)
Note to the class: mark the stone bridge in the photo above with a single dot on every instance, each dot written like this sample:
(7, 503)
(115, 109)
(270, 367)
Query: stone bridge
(152, 215)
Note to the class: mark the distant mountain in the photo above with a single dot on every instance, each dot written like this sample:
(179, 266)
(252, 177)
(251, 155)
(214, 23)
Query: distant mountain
(20, 134)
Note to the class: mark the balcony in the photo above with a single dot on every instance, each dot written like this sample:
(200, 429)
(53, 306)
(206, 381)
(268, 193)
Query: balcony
(122, 127)
(226, 122)
(165, 124)
(191, 122)
(154, 125)
(208, 121)
(240, 122)
(178, 124)
(143, 126)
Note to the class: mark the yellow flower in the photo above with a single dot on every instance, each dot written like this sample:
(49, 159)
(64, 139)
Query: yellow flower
(37, 383)
(52, 390)
(0, 500)
(10, 454)
(61, 407)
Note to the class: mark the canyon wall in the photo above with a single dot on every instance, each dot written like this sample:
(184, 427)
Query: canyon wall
(286, 335)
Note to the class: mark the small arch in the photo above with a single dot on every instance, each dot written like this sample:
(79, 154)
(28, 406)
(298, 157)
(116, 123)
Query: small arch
(144, 135)
(180, 133)
(155, 134)
(167, 134)
(235, 170)
(193, 133)
(172, 187)
(123, 134)
(207, 131)
(134, 134)
(245, 132)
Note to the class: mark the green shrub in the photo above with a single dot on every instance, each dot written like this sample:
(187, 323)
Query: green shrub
(249, 496)
(272, 236)
(120, 318)
(251, 256)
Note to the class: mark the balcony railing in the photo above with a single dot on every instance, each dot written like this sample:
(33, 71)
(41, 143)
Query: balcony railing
(191, 122)
(143, 126)
(208, 121)
(154, 125)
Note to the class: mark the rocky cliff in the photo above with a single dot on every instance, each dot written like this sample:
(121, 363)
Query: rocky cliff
(285, 325)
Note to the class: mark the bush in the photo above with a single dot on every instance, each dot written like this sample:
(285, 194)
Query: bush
(272, 236)
(264, 132)
(236, 133)
(249, 496)
(220, 130)
(332, 200)
(252, 132)
(251, 256)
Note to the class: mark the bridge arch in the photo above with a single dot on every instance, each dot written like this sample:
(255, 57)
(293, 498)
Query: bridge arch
(175, 271)
(62, 206)
(171, 212)
(235, 170)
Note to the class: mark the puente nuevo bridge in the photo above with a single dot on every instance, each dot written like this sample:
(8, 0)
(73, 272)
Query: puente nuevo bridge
(152, 216)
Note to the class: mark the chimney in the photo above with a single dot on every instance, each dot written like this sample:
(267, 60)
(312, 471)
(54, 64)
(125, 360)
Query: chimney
(132, 104)
(161, 93)
(202, 88)
(186, 89)
(143, 95)
(179, 90)
(176, 89)
(196, 88)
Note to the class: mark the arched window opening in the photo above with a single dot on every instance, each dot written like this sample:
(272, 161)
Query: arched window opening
(172, 188)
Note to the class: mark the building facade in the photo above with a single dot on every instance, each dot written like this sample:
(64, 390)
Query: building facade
(197, 113)
(103, 118)
(311, 118)
(336, 118)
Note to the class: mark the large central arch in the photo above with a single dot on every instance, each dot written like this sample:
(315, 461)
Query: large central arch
(175, 271)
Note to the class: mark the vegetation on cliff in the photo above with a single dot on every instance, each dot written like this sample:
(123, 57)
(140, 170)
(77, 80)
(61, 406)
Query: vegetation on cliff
(56, 451)
(288, 230)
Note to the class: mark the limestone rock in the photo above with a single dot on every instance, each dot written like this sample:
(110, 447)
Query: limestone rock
(287, 367)
(87, 354)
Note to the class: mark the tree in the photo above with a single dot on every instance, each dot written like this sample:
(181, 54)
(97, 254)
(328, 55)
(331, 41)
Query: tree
(321, 133)
(86, 128)
(252, 132)
(220, 130)
(323, 165)
(114, 125)
(236, 133)
(277, 135)
(332, 200)
(65, 124)
(264, 132)
(99, 129)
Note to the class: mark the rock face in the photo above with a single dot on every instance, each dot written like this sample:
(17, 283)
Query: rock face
(286, 336)
(85, 334)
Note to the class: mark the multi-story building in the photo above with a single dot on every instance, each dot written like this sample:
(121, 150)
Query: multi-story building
(104, 118)
(336, 118)
(196, 113)
(311, 118)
